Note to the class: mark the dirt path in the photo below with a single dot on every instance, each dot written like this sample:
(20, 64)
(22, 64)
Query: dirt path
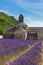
(13, 59)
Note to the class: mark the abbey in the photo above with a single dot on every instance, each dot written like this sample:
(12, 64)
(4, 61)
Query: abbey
(22, 31)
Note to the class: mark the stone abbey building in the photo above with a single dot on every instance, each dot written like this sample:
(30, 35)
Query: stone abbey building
(22, 31)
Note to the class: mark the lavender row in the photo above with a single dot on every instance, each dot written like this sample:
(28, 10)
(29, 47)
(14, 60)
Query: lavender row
(8, 45)
(32, 57)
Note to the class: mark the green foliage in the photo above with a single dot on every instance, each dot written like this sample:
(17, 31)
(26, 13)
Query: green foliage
(6, 20)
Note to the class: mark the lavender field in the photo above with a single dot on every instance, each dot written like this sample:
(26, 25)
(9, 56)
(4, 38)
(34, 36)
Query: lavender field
(21, 52)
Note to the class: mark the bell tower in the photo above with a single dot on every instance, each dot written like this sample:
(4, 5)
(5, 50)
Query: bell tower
(21, 18)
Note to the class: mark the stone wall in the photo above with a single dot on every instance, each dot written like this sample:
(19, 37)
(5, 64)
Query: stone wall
(8, 36)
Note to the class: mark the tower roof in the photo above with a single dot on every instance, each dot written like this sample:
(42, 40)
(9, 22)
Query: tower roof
(21, 18)
(21, 15)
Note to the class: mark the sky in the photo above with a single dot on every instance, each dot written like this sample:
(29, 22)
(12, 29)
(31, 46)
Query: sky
(32, 10)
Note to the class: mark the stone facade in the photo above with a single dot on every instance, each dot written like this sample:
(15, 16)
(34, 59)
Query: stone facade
(22, 31)
(31, 35)
(17, 32)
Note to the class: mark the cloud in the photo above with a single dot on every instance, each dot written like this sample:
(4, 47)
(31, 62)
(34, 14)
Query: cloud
(34, 7)
(28, 4)
(5, 11)
(28, 20)
(9, 13)
(33, 23)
